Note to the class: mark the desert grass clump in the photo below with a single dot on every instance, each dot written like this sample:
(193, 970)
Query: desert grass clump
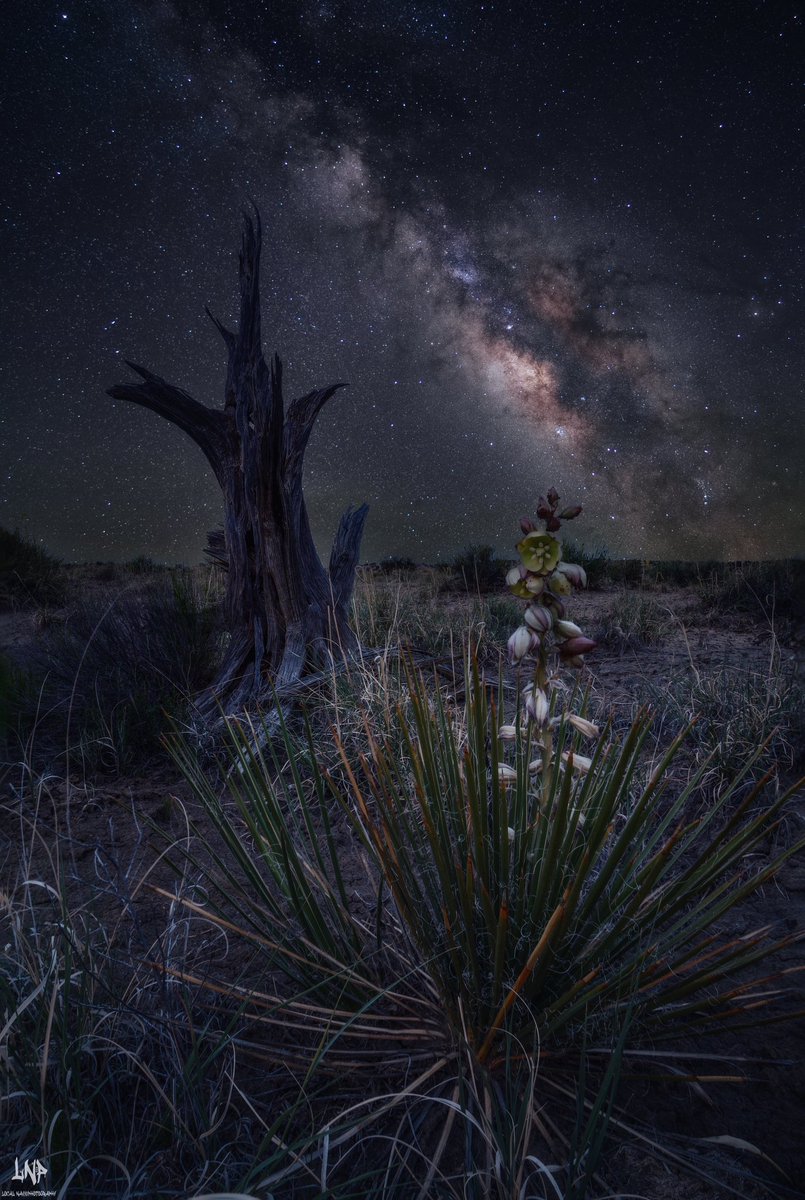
(112, 1077)
(634, 620)
(736, 712)
(29, 576)
(120, 663)
(407, 610)
(527, 900)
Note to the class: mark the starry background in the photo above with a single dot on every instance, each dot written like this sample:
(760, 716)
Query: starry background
(545, 243)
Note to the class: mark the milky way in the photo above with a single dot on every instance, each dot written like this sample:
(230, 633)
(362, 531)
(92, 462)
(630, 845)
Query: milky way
(545, 246)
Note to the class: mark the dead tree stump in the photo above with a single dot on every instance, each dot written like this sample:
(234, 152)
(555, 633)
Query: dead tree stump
(283, 611)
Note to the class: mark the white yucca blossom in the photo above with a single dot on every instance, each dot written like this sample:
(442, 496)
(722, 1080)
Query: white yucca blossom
(522, 642)
(506, 774)
(535, 766)
(577, 762)
(507, 733)
(576, 574)
(513, 577)
(538, 617)
(568, 629)
(538, 707)
(583, 725)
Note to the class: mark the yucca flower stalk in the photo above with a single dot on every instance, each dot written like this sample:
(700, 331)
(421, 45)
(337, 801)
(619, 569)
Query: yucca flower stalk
(545, 629)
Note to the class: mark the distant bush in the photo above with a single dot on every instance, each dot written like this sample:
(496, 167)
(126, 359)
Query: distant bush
(29, 576)
(628, 571)
(120, 663)
(143, 565)
(396, 563)
(477, 570)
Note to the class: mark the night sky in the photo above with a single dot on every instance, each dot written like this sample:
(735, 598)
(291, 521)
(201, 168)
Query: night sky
(544, 243)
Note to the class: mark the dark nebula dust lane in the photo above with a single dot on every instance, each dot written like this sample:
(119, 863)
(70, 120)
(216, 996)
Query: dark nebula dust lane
(553, 244)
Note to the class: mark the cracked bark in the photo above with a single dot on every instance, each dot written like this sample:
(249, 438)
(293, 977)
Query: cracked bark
(283, 610)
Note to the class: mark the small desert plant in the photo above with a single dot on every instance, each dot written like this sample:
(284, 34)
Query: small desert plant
(29, 577)
(633, 620)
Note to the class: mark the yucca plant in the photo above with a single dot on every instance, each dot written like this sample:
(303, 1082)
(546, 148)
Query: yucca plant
(576, 897)
(526, 906)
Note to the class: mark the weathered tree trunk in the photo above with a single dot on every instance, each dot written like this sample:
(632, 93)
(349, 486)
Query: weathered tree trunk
(283, 610)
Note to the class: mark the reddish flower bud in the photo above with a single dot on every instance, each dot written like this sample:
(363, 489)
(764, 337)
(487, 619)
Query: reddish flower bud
(527, 525)
(552, 524)
(553, 497)
(568, 514)
(576, 645)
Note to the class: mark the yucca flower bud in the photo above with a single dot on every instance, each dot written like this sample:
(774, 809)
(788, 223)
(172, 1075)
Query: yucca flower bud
(553, 497)
(535, 766)
(539, 618)
(576, 574)
(534, 585)
(585, 727)
(538, 707)
(559, 584)
(507, 733)
(556, 605)
(569, 514)
(577, 762)
(527, 525)
(521, 643)
(539, 551)
(576, 645)
(506, 774)
(567, 629)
